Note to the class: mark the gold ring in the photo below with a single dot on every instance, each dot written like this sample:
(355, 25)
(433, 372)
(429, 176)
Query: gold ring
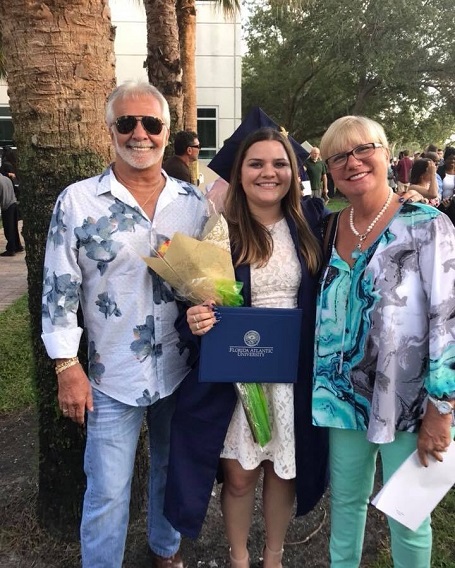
(197, 325)
(194, 319)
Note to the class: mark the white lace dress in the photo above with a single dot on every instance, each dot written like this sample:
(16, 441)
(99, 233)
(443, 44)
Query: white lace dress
(272, 286)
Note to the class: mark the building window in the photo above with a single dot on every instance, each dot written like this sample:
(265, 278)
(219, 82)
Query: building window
(207, 129)
(6, 127)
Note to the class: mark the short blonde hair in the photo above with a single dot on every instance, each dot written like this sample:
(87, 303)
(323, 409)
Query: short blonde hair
(351, 129)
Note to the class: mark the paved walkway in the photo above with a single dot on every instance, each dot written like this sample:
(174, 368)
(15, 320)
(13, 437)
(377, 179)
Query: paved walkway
(13, 275)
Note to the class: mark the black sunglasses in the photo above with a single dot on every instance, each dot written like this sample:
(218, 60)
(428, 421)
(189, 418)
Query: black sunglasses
(126, 124)
(198, 146)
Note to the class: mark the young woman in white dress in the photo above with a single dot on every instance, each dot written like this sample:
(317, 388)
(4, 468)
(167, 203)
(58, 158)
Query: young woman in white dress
(271, 235)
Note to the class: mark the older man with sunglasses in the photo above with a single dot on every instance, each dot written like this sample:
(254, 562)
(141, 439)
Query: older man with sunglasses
(100, 231)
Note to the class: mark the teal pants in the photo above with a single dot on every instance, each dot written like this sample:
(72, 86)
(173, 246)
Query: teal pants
(353, 465)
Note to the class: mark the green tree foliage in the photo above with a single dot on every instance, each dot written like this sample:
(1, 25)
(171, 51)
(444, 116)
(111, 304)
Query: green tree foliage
(393, 61)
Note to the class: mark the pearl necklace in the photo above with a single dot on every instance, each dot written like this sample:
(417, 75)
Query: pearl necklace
(370, 227)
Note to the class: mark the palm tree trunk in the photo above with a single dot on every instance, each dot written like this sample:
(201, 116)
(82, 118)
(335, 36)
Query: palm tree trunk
(186, 17)
(60, 66)
(163, 62)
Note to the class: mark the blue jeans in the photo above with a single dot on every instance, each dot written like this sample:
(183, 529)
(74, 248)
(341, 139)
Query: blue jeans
(113, 430)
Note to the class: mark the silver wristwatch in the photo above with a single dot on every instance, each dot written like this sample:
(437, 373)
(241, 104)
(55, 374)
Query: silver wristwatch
(443, 406)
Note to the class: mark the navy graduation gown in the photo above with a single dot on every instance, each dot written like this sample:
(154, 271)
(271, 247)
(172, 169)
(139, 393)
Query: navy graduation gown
(204, 410)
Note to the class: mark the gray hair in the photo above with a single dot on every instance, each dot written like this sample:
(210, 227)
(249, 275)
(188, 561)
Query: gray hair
(136, 89)
(351, 129)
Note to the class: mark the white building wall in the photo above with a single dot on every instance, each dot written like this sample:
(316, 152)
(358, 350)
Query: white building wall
(4, 101)
(218, 66)
(128, 16)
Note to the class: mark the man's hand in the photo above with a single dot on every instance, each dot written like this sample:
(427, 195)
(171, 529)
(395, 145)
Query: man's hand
(434, 435)
(74, 393)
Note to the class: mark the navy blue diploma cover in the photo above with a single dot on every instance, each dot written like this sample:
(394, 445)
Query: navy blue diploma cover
(252, 345)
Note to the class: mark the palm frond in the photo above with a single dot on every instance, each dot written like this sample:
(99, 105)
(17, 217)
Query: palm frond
(229, 7)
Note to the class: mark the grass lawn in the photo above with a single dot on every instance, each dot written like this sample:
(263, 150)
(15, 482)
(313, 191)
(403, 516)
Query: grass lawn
(16, 358)
(337, 203)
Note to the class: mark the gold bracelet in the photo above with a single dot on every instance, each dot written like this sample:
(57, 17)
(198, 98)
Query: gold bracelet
(66, 365)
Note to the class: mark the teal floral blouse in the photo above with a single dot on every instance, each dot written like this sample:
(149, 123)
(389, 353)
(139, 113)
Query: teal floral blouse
(385, 332)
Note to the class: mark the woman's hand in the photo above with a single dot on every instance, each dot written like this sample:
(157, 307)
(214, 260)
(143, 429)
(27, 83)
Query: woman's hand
(202, 318)
(434, 435)
(431, 168)
(412, 196)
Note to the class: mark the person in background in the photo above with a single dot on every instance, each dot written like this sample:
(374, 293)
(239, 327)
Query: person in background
(394, 163)
(383, 376)
(429, 148)
(447, 174)
(10, 217)
(8, 168)
(317, 174)
(275, 235)
(186, 151)
(391, 180)
(403, 170)
(100, 231)
(425, 180)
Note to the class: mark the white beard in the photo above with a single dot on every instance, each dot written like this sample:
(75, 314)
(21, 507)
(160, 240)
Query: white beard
(139, 159)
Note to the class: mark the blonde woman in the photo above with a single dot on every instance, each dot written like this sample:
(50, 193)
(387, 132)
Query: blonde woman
(385, 344)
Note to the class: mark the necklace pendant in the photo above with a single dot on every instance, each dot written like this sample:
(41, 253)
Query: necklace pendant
(355, 253)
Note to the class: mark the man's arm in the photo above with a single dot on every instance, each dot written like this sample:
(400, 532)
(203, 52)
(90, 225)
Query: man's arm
(324, 184)
(61, 333)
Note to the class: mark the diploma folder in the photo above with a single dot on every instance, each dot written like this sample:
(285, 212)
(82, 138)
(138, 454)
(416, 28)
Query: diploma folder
(252, 345)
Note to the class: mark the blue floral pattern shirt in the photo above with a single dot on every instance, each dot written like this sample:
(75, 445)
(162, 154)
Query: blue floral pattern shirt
(385, 332)
(97, 239)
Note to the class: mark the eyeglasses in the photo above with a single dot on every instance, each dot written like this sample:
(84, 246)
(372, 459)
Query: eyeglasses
(359, 152)
(198, 146)
(126, 124)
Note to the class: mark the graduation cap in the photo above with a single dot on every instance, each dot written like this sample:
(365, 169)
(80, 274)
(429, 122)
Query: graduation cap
(224, 160)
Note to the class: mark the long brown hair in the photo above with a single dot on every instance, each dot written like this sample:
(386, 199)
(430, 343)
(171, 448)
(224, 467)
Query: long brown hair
(251, 240)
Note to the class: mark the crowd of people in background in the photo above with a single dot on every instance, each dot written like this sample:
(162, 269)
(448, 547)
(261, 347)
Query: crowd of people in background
(430, 172)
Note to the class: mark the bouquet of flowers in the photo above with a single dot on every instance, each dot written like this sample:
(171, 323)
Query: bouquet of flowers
(199, 270)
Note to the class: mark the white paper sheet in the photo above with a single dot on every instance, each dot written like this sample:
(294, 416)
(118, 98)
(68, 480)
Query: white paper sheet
(413, 491)
(306, 187)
